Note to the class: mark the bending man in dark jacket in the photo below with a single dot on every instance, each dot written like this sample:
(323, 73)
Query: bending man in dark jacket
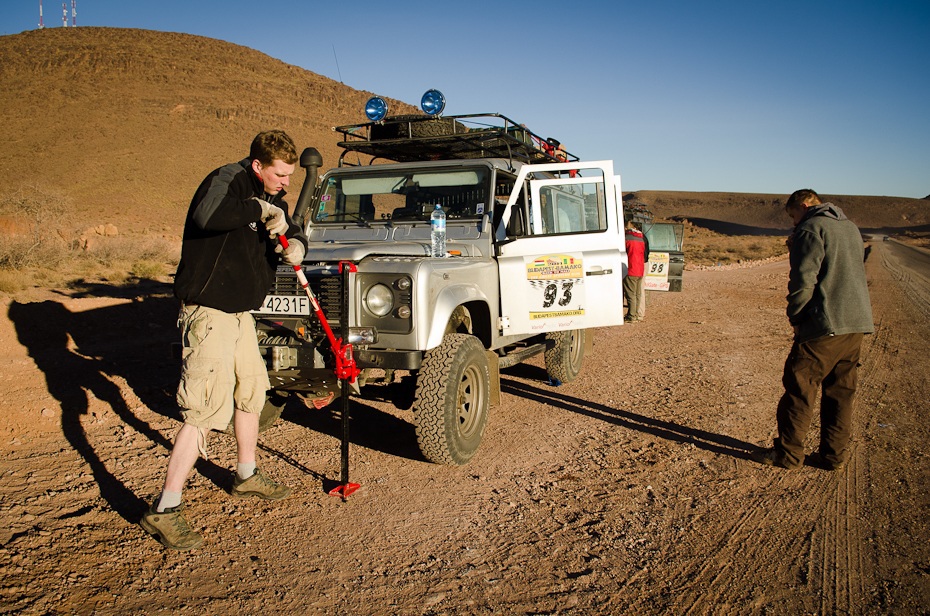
(829, 309)
(228, 261)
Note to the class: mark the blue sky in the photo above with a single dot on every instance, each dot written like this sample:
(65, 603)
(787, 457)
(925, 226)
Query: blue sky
(745, 96)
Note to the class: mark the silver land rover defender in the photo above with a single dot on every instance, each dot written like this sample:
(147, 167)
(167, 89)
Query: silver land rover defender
(535, 260)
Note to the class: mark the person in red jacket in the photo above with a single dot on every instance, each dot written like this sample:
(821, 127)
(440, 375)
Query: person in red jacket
(636, 251)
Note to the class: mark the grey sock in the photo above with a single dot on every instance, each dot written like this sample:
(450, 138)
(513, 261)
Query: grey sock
(168, 500)
(245, 469)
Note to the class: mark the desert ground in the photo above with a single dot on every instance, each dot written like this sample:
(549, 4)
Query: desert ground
(628, 490)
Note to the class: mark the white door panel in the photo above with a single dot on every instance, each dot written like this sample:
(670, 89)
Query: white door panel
(568, 273)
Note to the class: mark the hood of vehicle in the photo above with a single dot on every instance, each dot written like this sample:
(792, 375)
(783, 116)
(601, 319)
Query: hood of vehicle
(356, 251)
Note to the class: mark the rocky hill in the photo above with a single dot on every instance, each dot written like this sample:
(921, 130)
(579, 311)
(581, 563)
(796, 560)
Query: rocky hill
(124, 123)
(762, 214)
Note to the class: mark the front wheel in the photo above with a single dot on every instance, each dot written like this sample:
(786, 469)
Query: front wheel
(452, 399)
(564, 354)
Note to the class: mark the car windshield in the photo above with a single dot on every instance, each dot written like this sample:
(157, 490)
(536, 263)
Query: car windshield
(409, 196)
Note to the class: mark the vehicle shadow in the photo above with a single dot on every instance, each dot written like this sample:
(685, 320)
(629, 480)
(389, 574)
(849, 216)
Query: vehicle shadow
(526, 371)
(708, 441)
(80, 353)
(400, 392)
(369, 427)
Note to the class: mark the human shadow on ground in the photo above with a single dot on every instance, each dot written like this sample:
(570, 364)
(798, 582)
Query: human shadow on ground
(81, 352)
(708, 441)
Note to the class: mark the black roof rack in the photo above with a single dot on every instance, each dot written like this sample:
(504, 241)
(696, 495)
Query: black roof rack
(418, 138)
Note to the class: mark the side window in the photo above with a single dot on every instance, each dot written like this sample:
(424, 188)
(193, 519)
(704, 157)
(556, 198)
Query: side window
(571, 205)
(562, 211)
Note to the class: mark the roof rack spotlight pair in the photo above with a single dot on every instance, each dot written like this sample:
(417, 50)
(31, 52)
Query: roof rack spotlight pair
(432, 103)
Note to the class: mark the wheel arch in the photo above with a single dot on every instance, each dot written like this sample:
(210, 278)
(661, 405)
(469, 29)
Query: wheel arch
(448, 301)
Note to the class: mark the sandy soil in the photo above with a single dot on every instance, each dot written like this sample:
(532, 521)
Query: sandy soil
(626, 491)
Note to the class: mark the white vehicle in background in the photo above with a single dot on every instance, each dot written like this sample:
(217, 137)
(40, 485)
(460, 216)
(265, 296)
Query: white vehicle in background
(535, 260)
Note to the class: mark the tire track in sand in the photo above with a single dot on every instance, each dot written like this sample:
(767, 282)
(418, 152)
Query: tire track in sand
(822, 568)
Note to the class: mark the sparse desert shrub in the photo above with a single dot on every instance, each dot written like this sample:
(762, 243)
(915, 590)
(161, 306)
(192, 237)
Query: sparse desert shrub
(36, 251)
(20, 252)
(33, 237)
(704, 247)
(148, 269)
(139, 256)
(13, 281)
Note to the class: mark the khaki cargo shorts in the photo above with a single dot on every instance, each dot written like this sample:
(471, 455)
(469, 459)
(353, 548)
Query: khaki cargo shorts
(222, 368)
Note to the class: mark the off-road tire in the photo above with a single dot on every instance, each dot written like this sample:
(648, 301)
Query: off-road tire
(271, 412)
(564, 354)
(452, 400)
(432, 127)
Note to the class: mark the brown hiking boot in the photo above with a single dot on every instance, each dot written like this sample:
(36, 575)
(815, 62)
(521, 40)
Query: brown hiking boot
(260, 485)
(817, 460)
(774, 457)
(171, 528)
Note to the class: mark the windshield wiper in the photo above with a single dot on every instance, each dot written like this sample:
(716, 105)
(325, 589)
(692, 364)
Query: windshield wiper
(356, 218)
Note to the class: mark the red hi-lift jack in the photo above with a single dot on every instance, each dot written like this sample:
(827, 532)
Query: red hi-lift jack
(346, 370)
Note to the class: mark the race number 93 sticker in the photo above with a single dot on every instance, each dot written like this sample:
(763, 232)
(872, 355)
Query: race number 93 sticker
(556, 286)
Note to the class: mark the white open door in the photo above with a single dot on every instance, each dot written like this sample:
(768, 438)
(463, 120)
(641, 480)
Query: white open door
(567, 271)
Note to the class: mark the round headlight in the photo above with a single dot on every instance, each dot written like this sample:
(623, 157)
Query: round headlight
(379, 300)
(433, 102)
(376, 108)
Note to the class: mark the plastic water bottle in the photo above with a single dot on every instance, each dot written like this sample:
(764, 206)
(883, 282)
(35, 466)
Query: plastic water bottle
(437, 224)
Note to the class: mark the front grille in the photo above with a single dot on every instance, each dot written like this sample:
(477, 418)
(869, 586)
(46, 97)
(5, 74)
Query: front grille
(326, 288)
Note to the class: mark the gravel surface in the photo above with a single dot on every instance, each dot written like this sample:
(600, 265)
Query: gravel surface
(628, 490)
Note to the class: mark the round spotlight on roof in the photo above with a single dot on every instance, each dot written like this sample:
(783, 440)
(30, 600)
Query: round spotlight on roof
(433, 102)
(376, 108)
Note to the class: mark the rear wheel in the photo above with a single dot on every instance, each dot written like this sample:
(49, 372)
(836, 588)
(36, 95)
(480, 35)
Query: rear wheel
(452, 399)
(564, 354)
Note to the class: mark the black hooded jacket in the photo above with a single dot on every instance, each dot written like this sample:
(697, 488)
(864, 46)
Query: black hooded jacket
(228, 260)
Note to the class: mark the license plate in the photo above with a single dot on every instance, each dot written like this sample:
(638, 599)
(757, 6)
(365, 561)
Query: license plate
(285, 304)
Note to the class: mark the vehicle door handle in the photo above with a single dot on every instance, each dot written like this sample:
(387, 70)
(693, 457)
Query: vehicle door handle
(599, 272)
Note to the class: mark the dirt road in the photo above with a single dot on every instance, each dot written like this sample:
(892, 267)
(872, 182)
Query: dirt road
(626, 491)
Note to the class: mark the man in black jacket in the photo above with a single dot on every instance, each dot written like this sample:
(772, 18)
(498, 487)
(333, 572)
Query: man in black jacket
(229, 255)
(829, 309)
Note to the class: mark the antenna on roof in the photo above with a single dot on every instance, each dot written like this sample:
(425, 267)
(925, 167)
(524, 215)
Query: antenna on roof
(41, 21)
(73, 13)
